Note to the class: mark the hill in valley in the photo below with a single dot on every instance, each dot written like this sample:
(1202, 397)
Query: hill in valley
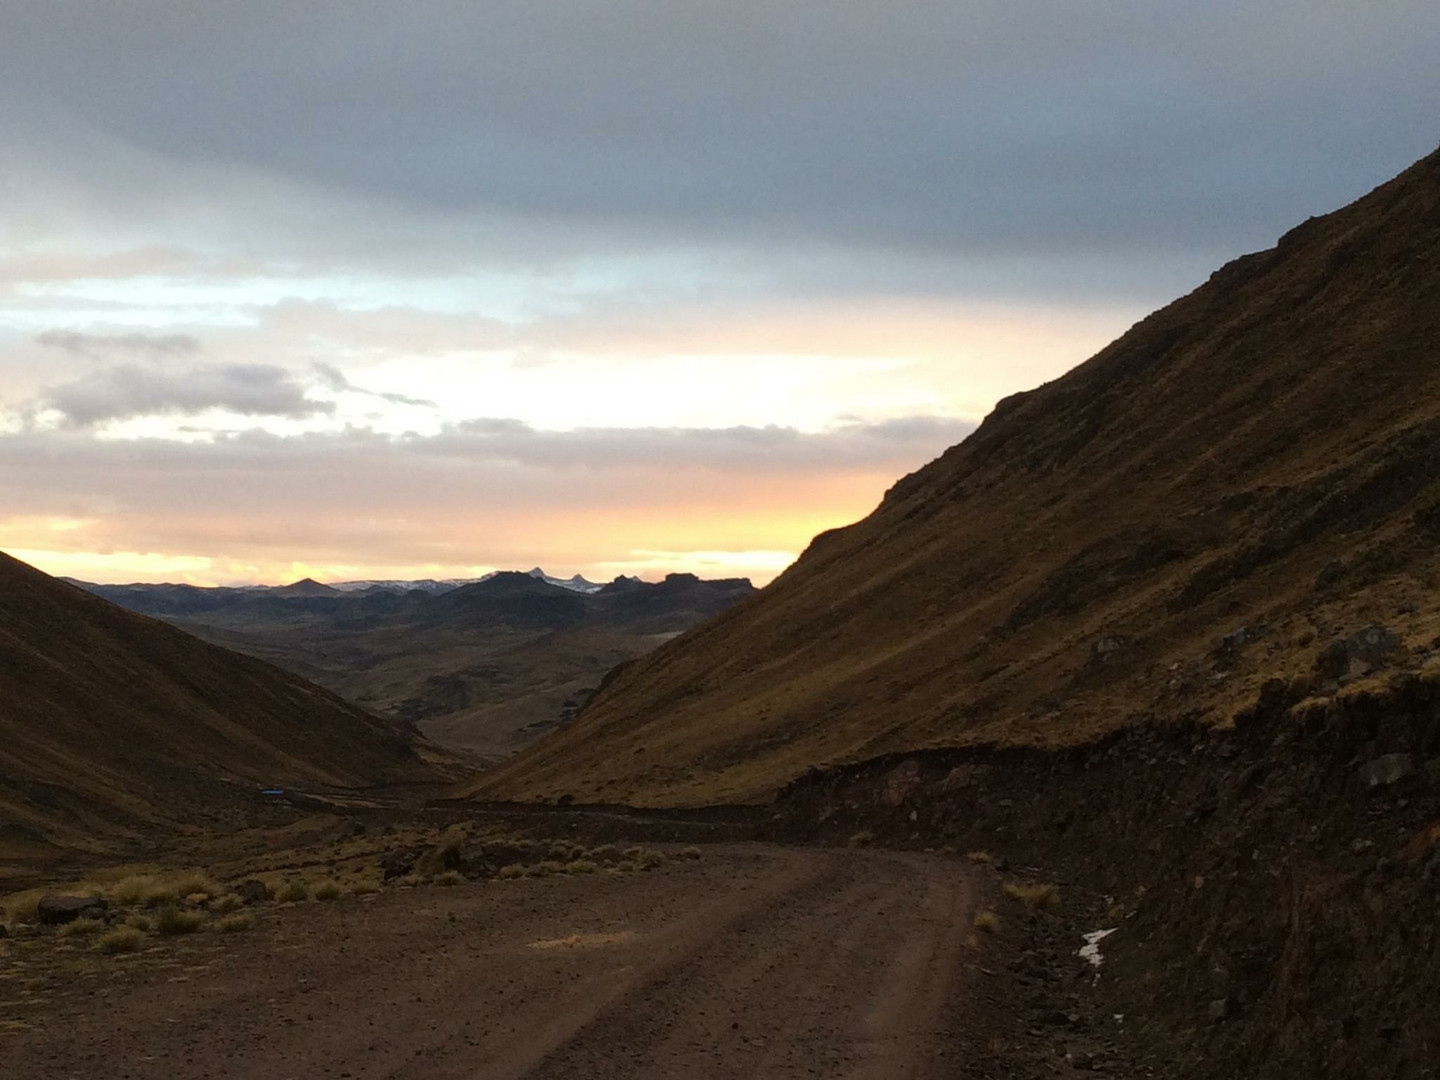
(486, 666)
(1214, 508)
(113, 725)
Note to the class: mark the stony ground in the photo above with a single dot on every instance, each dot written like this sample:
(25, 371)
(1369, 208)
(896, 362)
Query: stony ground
(752, 961)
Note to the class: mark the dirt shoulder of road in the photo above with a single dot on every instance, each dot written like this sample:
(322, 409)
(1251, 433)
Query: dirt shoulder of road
(750, 960)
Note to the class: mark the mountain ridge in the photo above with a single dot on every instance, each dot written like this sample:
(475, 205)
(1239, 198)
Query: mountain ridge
(482, 668)
(1253, 462)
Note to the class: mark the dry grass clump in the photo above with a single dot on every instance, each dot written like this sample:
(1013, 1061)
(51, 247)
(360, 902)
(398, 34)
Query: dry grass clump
(980, 858)
(172, 921)
(626, 866)
(365, 887)
(1043, 897)
(293, 892)
(580, 866)
(450, 878)
(196, 883)
(987, 920)
(863, 838)
(153, 890)
(650, 859)
(24, 907)
(691, 852)
(141, 923)
(606, 853)
(132, 890)
(327, 890)
(446, 854)
(549, 866)
(81, 928)
(512, 872)
(562, 850)
(226, 904)
(123, 939)
(234, 924)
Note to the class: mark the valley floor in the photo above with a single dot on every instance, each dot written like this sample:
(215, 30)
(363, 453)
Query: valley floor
(755, 961)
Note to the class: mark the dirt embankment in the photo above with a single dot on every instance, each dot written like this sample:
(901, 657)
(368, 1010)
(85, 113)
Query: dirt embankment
(1274, 887)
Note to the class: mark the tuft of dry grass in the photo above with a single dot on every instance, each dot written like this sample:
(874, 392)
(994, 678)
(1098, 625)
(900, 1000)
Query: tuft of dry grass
(446, 854)
(132, 890)
(863, 838)
(450, 878)
(328, 890)
(142, 923)
(81, 928)
(173, 922)
(511, 872)
(650, 859)
(980, 858)
(549, 866)
(226, 904)
(1043, 897)
(123, 939)
(986, 920)
(580, 866)
(365, 887)
(234, 924)
(293, 892)
(626, 866)
(691, 852)
(195, 883)
(24, 906)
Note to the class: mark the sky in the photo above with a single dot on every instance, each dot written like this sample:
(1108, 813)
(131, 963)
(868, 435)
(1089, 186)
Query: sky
(376, 290)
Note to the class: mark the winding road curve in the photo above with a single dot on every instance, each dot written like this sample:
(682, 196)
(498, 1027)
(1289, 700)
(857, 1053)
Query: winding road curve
(755, 962)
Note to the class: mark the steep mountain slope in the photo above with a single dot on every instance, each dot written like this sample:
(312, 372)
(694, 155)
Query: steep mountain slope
(1243, 477)
(486, 667)
(112, 723)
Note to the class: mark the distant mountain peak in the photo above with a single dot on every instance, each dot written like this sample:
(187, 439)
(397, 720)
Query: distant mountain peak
(306, 587)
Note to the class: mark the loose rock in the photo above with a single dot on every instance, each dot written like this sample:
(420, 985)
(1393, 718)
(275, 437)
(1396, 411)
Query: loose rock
(252, 892)
(59, 910)
(1387, 769)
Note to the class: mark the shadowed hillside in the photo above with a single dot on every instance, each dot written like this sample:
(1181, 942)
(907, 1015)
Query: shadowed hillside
(112, 723)
(1245, 477)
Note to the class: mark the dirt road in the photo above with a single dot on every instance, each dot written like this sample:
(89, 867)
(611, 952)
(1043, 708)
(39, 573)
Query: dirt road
(753, 962)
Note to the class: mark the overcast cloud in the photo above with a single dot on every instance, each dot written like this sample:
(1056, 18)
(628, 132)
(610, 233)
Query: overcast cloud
(128, 390)
(989, 123)
(803, 244)
(99, 345)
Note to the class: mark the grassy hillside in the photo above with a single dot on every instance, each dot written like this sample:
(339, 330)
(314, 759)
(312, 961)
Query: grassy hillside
(1245, 476)
(112, 723)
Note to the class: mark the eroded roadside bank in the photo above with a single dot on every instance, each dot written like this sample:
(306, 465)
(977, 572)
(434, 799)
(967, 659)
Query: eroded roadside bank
(1274, 887)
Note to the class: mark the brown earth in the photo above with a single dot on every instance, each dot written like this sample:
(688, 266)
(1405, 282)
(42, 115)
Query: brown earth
(115, 728)
(753, 961)
(1245, 476)
(1272, 888)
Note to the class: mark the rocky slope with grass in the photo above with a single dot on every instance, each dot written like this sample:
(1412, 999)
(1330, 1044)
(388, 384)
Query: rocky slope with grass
(114, 727)
(1241, 492)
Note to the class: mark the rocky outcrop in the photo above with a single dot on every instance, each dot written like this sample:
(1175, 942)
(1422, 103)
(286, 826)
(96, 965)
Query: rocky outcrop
(59, 910)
